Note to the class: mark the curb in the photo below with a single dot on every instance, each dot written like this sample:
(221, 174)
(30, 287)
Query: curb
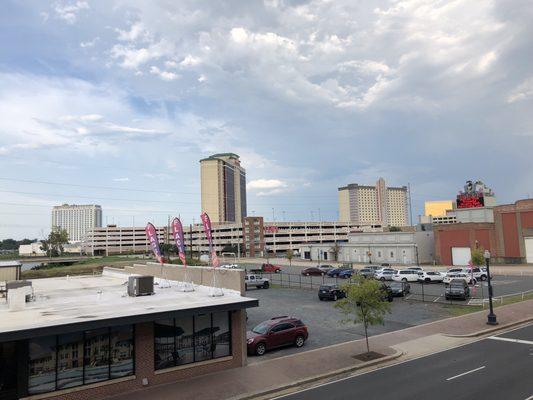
(491, 330)
(271, 390)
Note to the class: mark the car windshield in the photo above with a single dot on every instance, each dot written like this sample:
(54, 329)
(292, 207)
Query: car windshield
(262, 328)
(326, 287)
(396, 285)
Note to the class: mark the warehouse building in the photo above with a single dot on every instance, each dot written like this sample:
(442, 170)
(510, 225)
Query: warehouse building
(505, 230)
(90, 337)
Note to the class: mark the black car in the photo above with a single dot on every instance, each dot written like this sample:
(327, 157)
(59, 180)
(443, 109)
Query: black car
(330, 292)
(457, 289)
(387, 293)
(400, 289)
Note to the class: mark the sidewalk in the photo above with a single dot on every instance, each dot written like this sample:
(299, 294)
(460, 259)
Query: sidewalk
(308, 366)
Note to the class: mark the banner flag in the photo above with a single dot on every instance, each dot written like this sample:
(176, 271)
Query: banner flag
(151, 233)
(179, 238)
(207, 229)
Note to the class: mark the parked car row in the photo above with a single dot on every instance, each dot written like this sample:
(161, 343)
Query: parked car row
(335, 292)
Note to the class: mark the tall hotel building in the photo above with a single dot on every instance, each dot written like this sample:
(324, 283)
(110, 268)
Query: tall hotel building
(373, 205)
(77, 220)
(223, 182)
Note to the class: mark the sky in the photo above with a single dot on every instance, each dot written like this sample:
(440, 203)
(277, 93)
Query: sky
(114, 102)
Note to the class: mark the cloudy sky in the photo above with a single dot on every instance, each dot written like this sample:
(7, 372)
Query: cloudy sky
(114, 102)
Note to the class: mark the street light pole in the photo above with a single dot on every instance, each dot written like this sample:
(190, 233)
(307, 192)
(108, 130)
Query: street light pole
(491, 318)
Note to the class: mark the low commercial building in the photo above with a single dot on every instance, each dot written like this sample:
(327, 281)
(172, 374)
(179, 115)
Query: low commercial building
(508, 235)
(87, 338)
(399, 248)
(253, 237)
(9, 270)
(31, 250)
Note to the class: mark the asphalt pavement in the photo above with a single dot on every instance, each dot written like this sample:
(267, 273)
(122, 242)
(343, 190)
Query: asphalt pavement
(499, 367)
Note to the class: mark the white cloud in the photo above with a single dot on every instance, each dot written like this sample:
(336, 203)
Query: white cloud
(125, 179)
(89, 43)
(523, 91)
(190, 61)
(137, 31)
(266, 184)
(165, 75)
(69, 11)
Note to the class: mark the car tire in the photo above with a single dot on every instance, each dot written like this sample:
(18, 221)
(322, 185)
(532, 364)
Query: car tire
(266, 285)
(483, 277)
(245, 286)
(404, 279)
(427, 280)
(260, 349)
(382, 279)
(335, 297)
(299, 341)
(320, 298)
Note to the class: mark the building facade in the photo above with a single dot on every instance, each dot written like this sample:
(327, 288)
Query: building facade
(115, 344)
(253, 237)
(77, 220)
(398, 248)
(374, 205)
(223, 186)
(508, 235)
(437, 208)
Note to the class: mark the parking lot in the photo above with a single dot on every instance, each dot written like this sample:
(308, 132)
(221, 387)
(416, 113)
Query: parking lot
(323, 319)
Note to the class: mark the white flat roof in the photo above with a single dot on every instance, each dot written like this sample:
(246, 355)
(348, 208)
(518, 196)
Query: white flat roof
(10, 264)
(81, 299)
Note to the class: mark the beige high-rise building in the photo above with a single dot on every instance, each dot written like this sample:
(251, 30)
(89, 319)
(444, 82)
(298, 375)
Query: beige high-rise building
(374, 205)
(223, 182)
(77, 220)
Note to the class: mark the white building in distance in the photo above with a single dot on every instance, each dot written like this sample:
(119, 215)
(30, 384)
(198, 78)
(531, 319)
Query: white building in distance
(77, 220)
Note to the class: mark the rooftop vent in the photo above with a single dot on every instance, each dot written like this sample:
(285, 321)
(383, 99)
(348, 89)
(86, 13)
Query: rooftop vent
(140, 286)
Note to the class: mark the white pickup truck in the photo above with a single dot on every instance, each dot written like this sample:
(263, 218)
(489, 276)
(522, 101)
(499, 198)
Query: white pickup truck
(256, 280)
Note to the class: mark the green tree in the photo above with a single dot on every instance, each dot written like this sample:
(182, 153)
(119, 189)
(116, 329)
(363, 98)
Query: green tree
(365, 303)
(290, 255)
(168, 249)
(335, 249)
(53, 246)
(394, 229)
(477, 256)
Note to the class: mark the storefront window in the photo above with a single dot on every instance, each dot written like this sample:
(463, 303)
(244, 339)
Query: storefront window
(221, 335)
(203, 337)
(191, 339)
(42, 365)
(96, 356)
(165, 347)
(70, 360)
(122, 363)
(8, 369)
(184, 340)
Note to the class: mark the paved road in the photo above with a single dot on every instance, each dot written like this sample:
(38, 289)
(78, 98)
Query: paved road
(494, 368)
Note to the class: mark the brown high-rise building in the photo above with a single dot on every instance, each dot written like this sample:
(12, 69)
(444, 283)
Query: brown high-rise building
(223, 183)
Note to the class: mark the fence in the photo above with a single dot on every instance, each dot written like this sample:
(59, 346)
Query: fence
(419, 291)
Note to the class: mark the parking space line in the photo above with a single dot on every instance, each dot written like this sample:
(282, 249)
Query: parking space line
(465, 373)
(434, 301)
(530, 398)
(503, 339)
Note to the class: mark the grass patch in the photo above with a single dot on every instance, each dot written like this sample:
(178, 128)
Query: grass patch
(456, 311)
(88, 266)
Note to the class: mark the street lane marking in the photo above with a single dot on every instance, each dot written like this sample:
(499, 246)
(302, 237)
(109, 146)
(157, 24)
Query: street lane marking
(530, 398)
(503, 339)
(465, 373)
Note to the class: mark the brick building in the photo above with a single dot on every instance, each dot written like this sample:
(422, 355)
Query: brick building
(509, 238)
(85, 338)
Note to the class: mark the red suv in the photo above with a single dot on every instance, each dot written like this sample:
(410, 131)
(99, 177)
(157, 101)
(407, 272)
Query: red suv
(270, 268)
(276, 332)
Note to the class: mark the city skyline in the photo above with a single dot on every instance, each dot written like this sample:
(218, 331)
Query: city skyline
(115, 104)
